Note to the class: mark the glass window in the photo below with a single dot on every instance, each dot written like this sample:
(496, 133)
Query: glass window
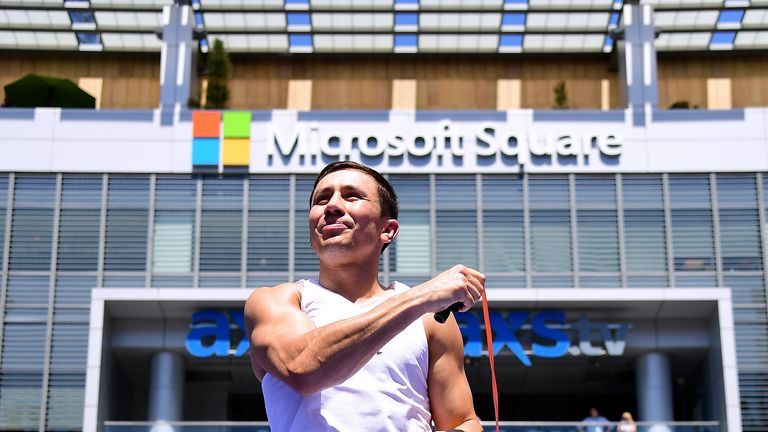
(79, 223)
(222, 224)
(268, 234)
(23, 348)
(32, 225)
(692, 231)
(74, 290)
(69, 347)
(82, 17)
(20, 398)
(66, 395)
(739, 223)
(550, 224)
(597, 224)
(28, 290)
(456, 224)
(305, 259)
(174, 227)
(412, 250)
(644, 229)
(503, 236)
(754, 399)
(88, 38)
(745, 289)
(125, 246)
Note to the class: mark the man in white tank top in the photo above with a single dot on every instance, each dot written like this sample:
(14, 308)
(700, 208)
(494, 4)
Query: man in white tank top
(344, 352)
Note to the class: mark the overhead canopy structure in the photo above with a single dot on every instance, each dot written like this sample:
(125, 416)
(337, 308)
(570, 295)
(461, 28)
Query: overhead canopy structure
(383, 26)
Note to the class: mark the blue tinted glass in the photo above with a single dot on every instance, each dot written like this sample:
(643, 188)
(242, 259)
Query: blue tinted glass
(608, 41)
(513, 19)
(306, 2)
(406, 19)
(515, 40)
(406, 1)
(298, 18)
(723, 38)
(731, 16)
(614, 21)
(78, 17)
(300, 40)
(406, 40)
(199, 19)
(88, 38)
(515, 2)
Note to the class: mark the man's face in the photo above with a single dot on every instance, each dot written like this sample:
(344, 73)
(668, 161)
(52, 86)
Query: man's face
(346, 214)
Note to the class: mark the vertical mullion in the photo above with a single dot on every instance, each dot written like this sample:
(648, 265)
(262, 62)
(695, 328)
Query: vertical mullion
(6, 253)
(621, 233)
(244, 233)
(432, 226)
(292, 228)
(715, 206)
(198, 228)
(763, 246)
(527, 233)
(574, 229)
(51, 294)
(480, 225)
(150, 229)
(668, 228)
(102, 229)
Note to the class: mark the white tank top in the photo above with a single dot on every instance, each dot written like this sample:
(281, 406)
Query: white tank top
(388, 394)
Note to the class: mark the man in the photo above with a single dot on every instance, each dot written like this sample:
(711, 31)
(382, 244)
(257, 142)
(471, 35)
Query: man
(598, 422)
(346, 353)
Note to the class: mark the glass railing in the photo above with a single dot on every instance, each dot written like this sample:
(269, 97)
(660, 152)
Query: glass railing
(705, 426)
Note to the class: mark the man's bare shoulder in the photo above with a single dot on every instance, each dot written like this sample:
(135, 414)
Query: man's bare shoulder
(285, 294)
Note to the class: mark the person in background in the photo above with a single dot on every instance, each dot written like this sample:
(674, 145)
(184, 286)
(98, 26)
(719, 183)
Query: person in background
(626, 424)
(595, 422)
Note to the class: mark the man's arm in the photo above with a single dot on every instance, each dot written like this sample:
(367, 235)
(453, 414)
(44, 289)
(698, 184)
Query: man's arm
(449, 394)
(286, 344)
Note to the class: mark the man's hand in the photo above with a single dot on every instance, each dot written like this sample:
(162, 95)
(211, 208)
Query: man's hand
(457, 284)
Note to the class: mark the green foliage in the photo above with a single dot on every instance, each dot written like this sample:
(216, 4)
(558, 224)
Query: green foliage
(219, 72)
(561, 96)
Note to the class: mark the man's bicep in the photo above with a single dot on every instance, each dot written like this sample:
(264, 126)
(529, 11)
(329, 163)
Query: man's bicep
(449, 393)
(275, 324)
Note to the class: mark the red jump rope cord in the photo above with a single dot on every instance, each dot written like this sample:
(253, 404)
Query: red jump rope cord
(489, 340)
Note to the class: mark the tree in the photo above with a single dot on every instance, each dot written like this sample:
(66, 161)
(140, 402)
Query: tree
(219, 72)
(561, 97)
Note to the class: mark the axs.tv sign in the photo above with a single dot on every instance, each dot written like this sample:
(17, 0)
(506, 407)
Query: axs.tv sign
(524, 334)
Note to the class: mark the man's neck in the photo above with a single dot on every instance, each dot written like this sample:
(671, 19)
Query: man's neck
(351, 281)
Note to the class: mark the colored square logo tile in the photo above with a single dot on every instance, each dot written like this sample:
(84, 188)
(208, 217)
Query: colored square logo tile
(206, 124)
(205, 151)
(237, 152)
(237, 124)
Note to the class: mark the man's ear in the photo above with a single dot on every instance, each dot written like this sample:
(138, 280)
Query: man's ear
(390, 231)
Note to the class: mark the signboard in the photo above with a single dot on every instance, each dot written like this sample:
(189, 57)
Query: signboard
(525, 334)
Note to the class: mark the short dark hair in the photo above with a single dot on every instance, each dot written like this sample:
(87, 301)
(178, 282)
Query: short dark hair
(387, 196)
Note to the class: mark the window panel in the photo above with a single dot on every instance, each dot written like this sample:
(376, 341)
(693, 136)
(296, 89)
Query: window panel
(597, 224)
(222, 224)
(23, 347)
(31, 229)
(66, 396)
(412, 250)
(456, 223)
(739, 223)
(20, 400)
(751, 345)
(268, 232)
(174, 226)
(127, 218)
(503, 236)
(550, 221)
(306, 260)
(692, 231)
(74, 290)
(79, 223)
(754, 401)
(28, 290)
(746, 289)
(70, 347)
(3, 204)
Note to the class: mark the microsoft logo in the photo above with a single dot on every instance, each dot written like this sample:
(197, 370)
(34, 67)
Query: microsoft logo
(221, 145)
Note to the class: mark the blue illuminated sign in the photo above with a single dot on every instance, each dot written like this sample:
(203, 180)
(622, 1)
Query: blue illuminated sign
(546, 334)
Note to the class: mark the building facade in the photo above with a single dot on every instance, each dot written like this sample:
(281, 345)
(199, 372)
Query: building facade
(625, 248)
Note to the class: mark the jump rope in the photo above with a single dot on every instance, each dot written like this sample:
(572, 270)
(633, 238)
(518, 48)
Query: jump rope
(442, 316)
